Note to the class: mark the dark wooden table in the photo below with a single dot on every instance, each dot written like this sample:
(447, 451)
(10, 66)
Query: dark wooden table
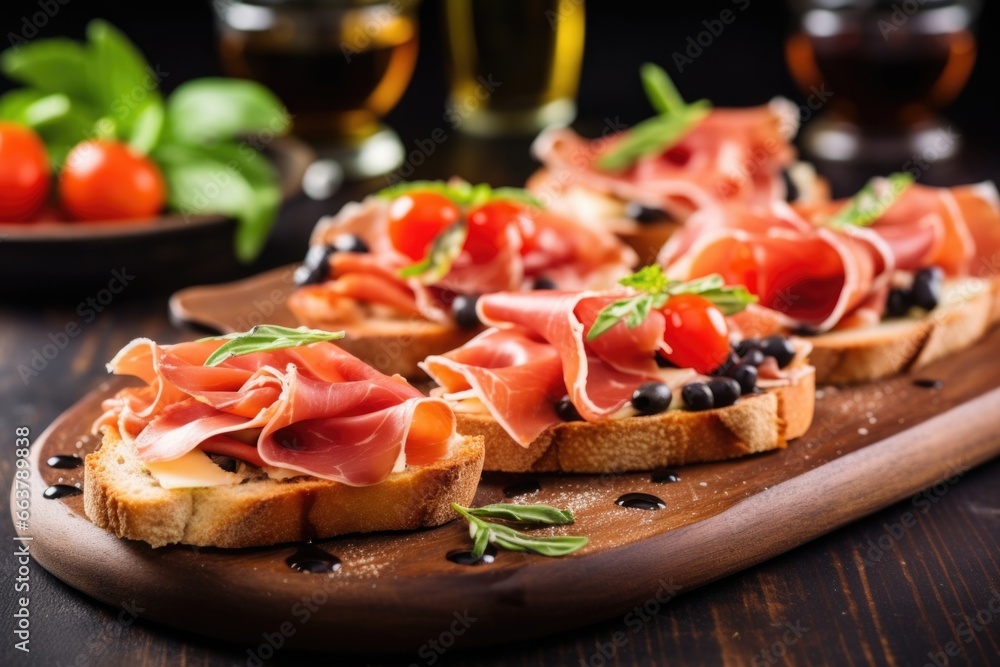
(876, 592)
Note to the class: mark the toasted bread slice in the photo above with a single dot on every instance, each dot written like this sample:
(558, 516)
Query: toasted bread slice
(120, 495)
(756, 423)
(967, 310)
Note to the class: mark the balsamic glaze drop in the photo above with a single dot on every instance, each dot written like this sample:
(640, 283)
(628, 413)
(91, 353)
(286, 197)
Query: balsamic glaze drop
(464, 557)
(641, 501)
(312, 560)
(664, 477)
(521, 488)
(64, 461)
(928, 383)
(57, 491)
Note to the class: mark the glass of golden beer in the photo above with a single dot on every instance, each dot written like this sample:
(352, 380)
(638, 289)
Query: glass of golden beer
(515, 66)
(338, 65)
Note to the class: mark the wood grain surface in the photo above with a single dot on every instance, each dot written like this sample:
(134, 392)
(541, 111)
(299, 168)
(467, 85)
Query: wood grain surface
(874, 592)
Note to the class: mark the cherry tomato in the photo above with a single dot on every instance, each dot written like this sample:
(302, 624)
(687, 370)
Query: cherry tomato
(488, 226)
(696, 333)
(24, 173)
(416, 219)
(107, 180)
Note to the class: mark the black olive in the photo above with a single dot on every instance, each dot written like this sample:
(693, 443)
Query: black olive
(464, 310)
(926, 290)
(566, 411)
(898, 303)
(746, 376)
(545, 283)
(805, 330)
(754, 357)
(725, 391)
(697, 396)
(316, 266)
(645, 215)
(227, 463)
(663, 362)
(349, 243)
(780, 348)
(727, 365)
(741, 348)
(652, 398)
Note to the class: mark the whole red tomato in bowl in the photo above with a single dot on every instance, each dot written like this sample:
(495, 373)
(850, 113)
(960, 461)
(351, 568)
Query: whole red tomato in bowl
(24, 173)
(107, 180)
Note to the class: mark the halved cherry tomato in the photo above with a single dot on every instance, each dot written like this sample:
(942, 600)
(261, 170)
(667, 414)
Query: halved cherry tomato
(107, 180)
(488, 226)
(416, 219)
(696, 333)
(24, 173)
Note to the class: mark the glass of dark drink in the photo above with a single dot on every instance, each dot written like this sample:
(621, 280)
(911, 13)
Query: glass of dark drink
(878, 72)
(338, 65)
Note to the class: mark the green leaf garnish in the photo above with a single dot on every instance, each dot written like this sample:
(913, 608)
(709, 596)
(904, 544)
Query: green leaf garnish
(265, 338)
(461, 193)
(444, 251)
(872, 201)
(655, 135)
(656, 291)
(484, 532)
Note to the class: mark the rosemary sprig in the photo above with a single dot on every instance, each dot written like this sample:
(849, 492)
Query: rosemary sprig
(485, 532)
(445, 249)
(264, 338)
(872, 201)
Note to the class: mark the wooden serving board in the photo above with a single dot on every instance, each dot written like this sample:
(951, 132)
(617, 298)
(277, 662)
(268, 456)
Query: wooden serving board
(869, 447)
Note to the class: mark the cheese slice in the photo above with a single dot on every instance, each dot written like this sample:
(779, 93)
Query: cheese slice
(194, 469)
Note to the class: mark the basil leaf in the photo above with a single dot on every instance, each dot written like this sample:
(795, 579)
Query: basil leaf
(122, 81)
(730, 299)
(211, 109)
(648, 279)
(55, 65)
(14, 103)
(265, 338)
(543, 514)
(146, 128)
(225, 179)
(633, 311)
(871, 201)
(660, 90)
(443, 253)
(60, 121)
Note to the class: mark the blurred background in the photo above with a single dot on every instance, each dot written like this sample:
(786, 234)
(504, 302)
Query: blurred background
(746, 63)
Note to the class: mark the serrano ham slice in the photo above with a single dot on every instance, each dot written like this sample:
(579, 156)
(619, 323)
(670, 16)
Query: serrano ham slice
(314, 409)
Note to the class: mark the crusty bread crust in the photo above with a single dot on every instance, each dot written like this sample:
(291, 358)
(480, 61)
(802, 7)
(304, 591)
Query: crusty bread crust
(121, 496)
(754, 424)
(967, 311)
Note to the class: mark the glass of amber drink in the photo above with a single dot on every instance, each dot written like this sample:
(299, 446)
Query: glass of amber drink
(514, 66)
(338, 65)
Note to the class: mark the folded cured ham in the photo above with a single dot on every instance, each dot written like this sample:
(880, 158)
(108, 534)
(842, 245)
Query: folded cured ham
(400, 271)
(915, 280)
(741, 155)
(267, 446)
(550, 396)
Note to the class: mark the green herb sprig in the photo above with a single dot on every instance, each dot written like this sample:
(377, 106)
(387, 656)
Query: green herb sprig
(461, 193)
(204, 138)
(264, 338)
(654, 135)
(485, 532)
(871, 201)
(445, 249)
(656, 289)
